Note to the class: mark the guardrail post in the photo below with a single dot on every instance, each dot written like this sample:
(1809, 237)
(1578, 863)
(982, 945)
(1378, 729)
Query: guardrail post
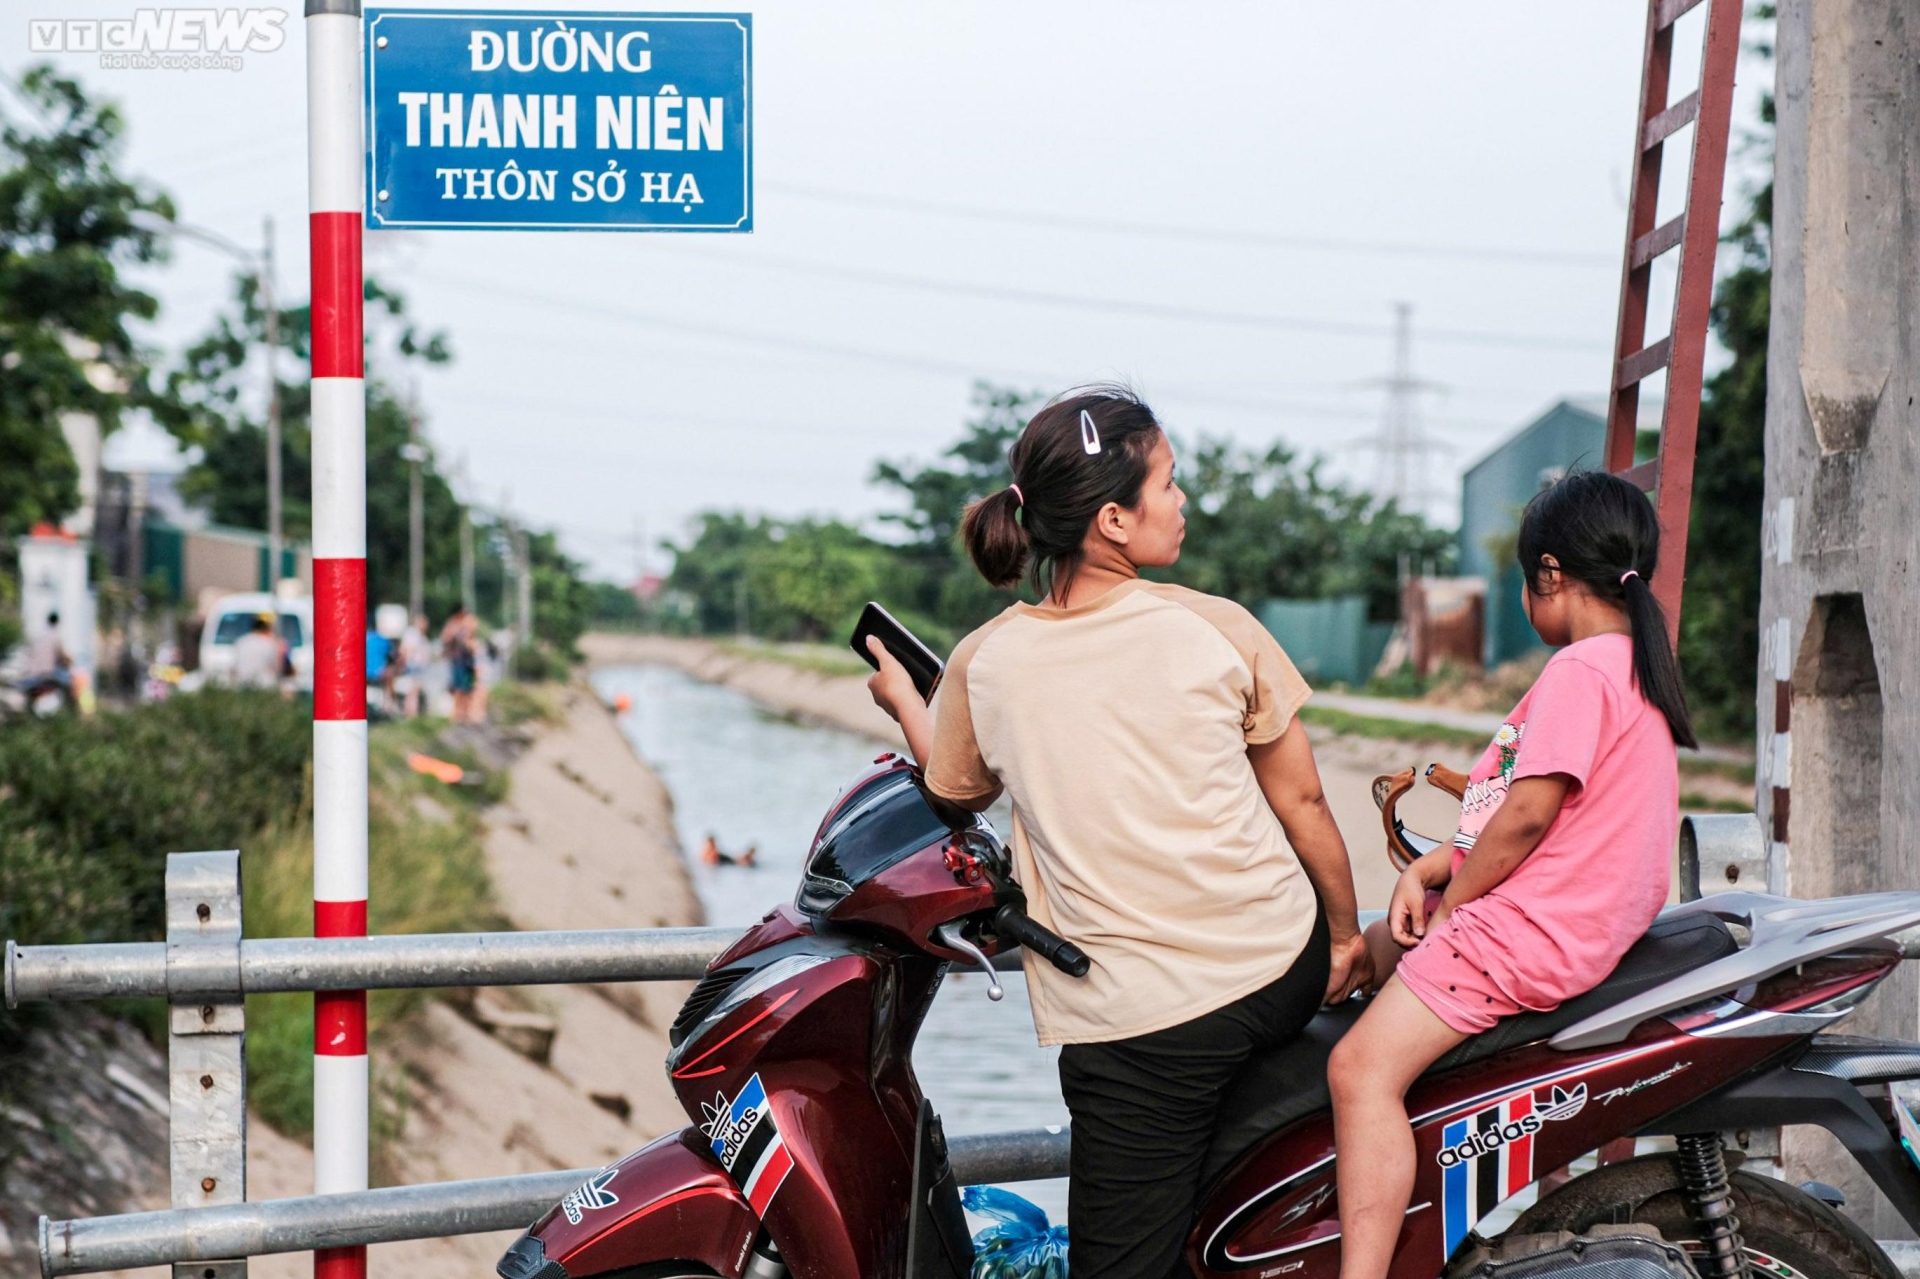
(206, 1042)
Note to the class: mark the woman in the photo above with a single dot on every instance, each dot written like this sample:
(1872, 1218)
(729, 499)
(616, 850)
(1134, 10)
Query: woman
(1147, 738)
(456, 645)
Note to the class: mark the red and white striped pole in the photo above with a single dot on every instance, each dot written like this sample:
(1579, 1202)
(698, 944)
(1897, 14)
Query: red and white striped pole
(335, 154)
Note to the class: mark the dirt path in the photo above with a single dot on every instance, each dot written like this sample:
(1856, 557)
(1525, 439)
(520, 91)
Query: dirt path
(585, 840)
(1348, 765)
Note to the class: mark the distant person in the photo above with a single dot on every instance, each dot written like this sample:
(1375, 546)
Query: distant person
(256, 656)
(47, 660)
(457, 646)
(486, 672)
(380, 672)
(49, 668)
(415, 652)
(711, 854)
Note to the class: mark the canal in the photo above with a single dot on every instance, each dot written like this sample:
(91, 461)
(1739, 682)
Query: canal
(752, 779)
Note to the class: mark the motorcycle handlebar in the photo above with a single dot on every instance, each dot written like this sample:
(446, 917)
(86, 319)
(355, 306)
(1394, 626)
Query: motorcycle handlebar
(1012, 922)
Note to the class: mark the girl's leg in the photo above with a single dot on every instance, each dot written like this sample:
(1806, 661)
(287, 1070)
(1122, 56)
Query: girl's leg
(1384, 951)
(1372, 1067)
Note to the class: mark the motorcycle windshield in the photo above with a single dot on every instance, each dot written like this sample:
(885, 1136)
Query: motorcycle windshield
(884, 823)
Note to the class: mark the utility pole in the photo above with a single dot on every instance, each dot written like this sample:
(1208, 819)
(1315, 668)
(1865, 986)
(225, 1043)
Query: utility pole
(416, 512)
(526, 589)
(740, 606)
(271, 313)
(1402, 445)
(1838, 710)
(507, 558)
(468, 599)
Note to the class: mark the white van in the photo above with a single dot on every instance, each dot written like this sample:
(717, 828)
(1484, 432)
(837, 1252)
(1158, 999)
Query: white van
(232, 616)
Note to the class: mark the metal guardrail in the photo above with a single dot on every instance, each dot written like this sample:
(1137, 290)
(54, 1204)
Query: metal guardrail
(205, 970)
(417, 1212)
(269, 965)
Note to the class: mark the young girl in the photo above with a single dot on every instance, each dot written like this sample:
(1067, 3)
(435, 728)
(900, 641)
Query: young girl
(1561, 858)
(1167, 815)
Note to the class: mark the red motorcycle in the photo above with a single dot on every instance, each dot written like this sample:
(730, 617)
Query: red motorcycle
(813, 1152)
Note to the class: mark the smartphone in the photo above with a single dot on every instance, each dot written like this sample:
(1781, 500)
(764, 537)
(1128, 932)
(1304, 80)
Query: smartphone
(920, 661)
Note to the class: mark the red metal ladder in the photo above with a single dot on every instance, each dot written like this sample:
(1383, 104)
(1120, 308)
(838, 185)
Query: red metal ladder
(1695, 231)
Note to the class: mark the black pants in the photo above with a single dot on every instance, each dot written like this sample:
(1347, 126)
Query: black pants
(1143, 1115)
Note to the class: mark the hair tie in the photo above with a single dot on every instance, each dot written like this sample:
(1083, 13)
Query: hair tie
(1632, 572)
(1018, 496)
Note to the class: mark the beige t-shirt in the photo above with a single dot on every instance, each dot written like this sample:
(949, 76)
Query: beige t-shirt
(1120, 730)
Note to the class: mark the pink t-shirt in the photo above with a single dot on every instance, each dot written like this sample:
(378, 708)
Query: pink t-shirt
(1560, 922)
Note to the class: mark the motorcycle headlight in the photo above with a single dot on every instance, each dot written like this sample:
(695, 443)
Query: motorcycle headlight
(757, 983)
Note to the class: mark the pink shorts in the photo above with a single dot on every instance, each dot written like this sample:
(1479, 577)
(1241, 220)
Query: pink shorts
(1451, 983)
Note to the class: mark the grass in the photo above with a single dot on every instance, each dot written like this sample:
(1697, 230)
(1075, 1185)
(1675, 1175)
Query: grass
(426, 874)
(515, 702)
(820, 659)
(1399, 730)
(1694, 802)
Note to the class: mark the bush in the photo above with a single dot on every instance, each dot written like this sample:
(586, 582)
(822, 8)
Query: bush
(90, 808)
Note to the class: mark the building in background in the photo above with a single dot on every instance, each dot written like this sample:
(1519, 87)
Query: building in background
(1492, 494)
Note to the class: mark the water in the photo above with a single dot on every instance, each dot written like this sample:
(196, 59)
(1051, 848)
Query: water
(752, 779)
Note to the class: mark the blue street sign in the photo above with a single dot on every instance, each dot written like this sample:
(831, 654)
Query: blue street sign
(559, 121)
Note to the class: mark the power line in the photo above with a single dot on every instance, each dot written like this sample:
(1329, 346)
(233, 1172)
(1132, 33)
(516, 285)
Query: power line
(1153, 310)
(670, 418)
(782, 341)
(1206, 235)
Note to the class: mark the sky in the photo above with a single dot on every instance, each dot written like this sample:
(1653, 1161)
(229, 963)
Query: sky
(1220, 204)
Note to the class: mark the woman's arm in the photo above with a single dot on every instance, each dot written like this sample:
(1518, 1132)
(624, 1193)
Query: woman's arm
(894, 692)
(1290, 780)
(1515, 831)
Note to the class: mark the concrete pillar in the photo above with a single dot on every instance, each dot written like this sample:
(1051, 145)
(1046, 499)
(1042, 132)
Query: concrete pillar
(1839, 687)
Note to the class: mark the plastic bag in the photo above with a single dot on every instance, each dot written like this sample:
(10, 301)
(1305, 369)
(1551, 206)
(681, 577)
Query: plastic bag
(1020, 1244)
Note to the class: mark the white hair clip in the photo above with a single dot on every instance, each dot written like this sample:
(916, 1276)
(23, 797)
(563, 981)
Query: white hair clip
(1089, 433)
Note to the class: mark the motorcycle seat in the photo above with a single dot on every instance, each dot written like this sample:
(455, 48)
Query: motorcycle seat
(1289, 1082)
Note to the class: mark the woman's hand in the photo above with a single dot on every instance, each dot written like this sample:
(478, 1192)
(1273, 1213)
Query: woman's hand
(893, 691)
(890, 686)
(1351, 969)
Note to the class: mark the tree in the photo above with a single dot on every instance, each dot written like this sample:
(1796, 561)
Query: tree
(1263, 526)
(69, 221)
(1720, 616)
(210, 393)
(929, 582)
(712, 570)
(812, 578)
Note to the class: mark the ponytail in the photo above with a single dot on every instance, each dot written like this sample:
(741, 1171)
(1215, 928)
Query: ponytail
(1654, 669)
(995, 542)
(1602, 531)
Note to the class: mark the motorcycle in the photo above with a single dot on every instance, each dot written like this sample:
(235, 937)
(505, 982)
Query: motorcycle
(814, 1154)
